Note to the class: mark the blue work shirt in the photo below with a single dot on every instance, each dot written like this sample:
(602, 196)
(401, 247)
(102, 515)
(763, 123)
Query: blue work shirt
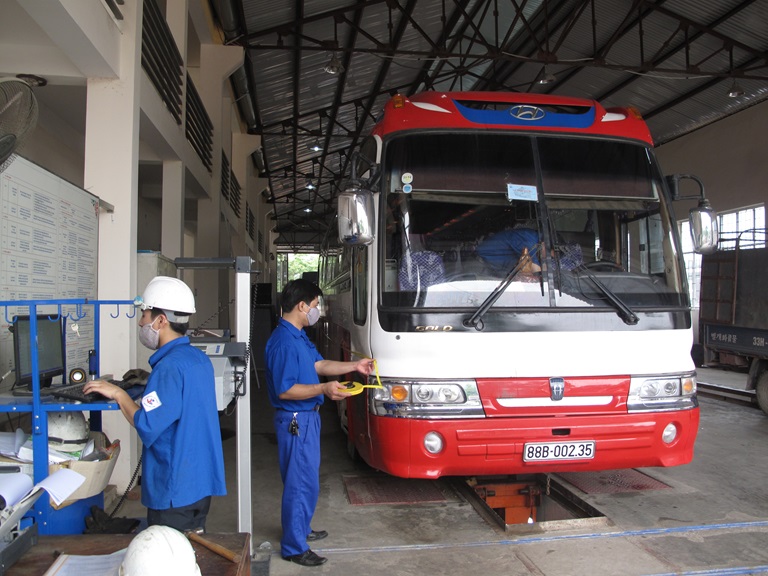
(290, 359)
(178, 424)
(502, 250)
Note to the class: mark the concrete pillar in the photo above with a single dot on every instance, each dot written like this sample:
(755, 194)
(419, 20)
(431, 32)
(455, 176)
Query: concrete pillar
(176, 14)
(172, 234)
(243, 145)
(111, 172)
(216, 65)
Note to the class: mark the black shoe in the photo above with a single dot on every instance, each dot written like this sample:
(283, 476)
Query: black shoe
(308, 558)
(316, 535)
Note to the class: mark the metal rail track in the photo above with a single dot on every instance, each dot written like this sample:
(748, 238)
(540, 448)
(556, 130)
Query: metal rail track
(726, 394)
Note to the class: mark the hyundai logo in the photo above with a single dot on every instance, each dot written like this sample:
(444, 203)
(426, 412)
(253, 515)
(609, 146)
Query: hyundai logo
(556, 388)
(525, 112)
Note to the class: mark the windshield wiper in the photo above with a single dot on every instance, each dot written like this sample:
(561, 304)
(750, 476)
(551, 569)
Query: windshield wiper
(624, 312)
(476, 320)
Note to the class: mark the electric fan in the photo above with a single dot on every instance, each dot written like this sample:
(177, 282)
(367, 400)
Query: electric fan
(18, 115)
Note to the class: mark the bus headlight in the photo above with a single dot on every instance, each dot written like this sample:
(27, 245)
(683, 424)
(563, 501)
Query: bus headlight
(662, 393)
(426, 399)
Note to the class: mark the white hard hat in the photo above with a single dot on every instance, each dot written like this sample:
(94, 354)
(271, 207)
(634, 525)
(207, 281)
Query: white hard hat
(67, 431)
(159, 551)
(170, 295)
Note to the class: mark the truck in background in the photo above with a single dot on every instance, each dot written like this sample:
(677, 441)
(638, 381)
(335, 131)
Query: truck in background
(733, 313)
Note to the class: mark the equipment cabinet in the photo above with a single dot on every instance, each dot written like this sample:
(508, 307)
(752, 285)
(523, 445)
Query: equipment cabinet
(71, 519)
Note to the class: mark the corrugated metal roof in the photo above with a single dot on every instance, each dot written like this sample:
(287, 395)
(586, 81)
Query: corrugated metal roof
(674, 60)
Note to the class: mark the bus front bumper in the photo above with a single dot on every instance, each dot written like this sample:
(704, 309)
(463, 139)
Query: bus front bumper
(491, 446)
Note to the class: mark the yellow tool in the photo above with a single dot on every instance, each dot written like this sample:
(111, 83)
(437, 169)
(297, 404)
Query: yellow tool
(355, 388)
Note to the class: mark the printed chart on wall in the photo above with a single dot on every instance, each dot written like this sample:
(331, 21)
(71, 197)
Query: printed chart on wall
(48, 251)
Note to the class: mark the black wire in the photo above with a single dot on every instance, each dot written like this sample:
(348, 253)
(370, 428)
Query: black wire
(128, 489)
(247, 354)
(229, 409)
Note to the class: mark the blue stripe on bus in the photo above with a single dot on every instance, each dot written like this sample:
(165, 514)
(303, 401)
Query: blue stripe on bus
(548, 119)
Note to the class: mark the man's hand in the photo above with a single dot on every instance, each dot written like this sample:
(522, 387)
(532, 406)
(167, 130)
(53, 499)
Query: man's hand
(127, 406)
(335, 390)
(365, 366)
(102, 387)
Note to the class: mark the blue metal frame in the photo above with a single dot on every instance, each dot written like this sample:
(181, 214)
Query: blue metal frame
(39, 409)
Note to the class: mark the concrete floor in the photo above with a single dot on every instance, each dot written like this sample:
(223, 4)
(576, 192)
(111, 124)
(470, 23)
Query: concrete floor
(713, 519)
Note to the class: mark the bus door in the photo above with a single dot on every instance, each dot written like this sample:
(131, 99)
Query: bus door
(359, 345)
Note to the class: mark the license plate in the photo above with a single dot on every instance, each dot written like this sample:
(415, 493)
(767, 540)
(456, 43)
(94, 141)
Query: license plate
(545, 451)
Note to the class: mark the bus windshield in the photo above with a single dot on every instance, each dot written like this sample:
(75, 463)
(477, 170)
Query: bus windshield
(581, 222)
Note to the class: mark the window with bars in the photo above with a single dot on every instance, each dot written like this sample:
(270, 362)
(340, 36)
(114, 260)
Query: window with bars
(234, 194)
(250, 225)
(747, 225)
(224, 176)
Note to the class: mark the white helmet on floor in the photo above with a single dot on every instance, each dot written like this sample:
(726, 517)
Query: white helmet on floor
(67, 431)
(159, 551)
(170, 295)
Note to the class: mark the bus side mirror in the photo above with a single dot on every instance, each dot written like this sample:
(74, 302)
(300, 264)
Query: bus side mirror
(356, 227)
(703, 218)
(704, 231)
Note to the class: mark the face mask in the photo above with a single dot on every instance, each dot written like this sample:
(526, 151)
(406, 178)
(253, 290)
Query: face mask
(148, 336)
(313, 316)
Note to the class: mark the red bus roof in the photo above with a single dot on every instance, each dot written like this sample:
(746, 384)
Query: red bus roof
(510, 111)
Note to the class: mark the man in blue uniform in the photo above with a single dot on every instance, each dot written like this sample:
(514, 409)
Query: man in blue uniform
(293, 365)
(502, 251)
(182, 460)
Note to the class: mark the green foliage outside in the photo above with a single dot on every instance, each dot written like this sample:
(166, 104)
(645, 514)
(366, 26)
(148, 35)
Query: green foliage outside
(300, 263)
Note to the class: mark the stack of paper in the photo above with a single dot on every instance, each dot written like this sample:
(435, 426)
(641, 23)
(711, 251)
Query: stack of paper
(20, 495)
(18, 446)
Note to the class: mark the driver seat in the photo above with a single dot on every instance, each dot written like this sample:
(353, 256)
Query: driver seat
(421, 270)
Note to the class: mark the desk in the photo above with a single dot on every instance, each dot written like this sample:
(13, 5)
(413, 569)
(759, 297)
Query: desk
(40, 557)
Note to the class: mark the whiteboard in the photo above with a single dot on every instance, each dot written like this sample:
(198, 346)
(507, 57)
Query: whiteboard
(48, 251)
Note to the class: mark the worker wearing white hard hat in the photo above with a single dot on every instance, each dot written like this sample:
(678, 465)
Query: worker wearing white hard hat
(177, 420)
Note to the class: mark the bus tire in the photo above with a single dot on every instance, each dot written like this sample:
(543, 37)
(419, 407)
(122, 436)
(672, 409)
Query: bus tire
(761, 391)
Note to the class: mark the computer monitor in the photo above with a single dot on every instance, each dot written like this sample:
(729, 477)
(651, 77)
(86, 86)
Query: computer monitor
(51, 356)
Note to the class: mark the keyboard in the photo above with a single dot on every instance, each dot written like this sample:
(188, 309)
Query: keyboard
(28, 393)
(75, 392)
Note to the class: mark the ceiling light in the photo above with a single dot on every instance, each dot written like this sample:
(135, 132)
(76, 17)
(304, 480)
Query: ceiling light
(311, 184)
(315, 145)
(735, 90)
(308, 209)
(545, 77)
(334, 67)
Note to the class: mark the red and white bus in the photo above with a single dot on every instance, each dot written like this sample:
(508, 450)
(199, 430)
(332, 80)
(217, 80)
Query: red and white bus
(513, 264)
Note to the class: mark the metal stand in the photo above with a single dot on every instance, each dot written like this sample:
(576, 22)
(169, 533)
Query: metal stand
(11, 551)
(242, 267)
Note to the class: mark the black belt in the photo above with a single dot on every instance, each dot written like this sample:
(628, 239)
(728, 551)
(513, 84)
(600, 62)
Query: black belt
(316, 408)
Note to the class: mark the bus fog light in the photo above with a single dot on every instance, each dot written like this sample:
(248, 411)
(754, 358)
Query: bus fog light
(669, 434)
(433, 442)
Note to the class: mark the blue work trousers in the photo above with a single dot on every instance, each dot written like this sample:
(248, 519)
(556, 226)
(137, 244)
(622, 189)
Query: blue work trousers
(300, 470)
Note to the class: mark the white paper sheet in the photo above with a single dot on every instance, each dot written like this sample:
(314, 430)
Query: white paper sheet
(62, 484)
(14, 486)
(10, 442)
(72, 565)
(27, 454)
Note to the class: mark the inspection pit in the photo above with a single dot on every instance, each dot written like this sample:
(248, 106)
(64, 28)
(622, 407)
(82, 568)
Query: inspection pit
(530, 503)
